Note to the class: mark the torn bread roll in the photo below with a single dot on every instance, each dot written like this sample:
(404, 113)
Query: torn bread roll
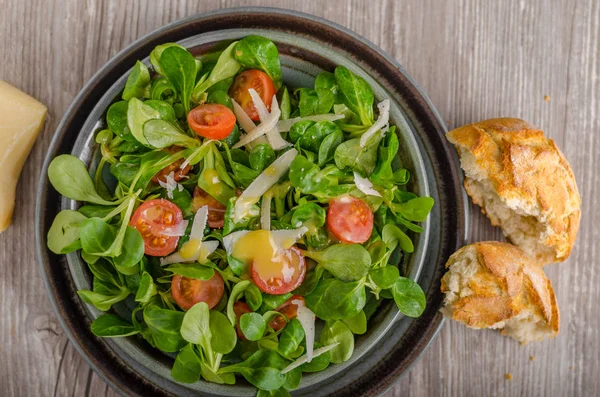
(523, 183)
(496, 285)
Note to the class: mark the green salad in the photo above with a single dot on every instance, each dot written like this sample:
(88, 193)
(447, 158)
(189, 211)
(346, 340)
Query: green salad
(249, 224)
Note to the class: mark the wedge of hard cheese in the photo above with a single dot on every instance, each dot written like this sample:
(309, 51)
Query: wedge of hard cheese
(21, 120)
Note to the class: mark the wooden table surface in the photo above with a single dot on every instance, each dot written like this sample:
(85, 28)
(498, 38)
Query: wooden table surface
(535, 60)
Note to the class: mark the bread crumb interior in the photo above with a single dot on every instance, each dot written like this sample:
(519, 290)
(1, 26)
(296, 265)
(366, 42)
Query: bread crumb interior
(520, 228)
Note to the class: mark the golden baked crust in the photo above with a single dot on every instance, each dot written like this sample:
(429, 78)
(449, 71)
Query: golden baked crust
(511, 160)
(495, 283)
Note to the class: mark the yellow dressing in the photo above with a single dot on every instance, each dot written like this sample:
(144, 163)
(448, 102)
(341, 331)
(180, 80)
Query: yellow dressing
(190, 249)
(258, 246)
(203, 256)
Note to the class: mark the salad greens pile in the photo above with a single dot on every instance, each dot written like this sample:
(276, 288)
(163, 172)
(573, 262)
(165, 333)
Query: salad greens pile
(181, 186)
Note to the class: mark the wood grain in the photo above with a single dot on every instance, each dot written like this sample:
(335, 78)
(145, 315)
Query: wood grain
(475, 59)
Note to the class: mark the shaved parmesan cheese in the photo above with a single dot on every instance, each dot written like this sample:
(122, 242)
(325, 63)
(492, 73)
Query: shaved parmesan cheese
(282, 239)
(273, 136)
(303, 358)
(177, 230)
(262, 183)
(307, 320)
(206, 248)
(242, 117)
(246, 123)
(288, 237)
(194, 248)
(365, 185)
(267, 124)
(199, 224)
(287, 271)
(170, 184)
(164, 185)
(231, 238)
(173, 258)
(382, 121)
(260, 106)
(285, 125)
(265, 212)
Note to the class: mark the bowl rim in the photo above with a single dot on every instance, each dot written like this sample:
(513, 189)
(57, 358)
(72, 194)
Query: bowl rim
(306, 64)
(434, 324)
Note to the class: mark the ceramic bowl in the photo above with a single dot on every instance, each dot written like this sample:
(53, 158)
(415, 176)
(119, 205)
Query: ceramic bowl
(307, 46)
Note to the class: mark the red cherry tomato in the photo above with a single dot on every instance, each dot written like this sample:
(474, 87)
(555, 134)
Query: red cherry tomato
(289, 309)
(216, 210)
(151, 219)
(240, 308)
(350, 219)
(258, 80)
(178, 173)
(211, 120)
(189, 291)
(277, 277)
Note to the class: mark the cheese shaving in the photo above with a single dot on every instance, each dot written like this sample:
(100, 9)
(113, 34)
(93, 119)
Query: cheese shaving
(242, 117)
(207, 248)
(287, 271)
(287, 237)
(265, 212)
(273, 136)
(231, 238)
(173, 258)
(382, 121)
(199, 224)
(267, 124)
(262, 183)
(194, 247)
(365, 185)
(307, 320)
(177, 230)
(247, 124)
(169, 183)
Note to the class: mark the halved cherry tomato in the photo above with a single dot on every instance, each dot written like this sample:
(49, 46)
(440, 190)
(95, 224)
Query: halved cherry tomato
(178, 173)
(289, 309)
(151, 219)
(252, 78)
(240, 308)
(189, 291)
(350, 219)
(211, 120)
(216, 210)
(282, 274)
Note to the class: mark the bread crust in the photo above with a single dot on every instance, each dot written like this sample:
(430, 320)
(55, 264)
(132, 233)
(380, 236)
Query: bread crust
(531, 177)
(505, 284)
